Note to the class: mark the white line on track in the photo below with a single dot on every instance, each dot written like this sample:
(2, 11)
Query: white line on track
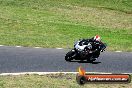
(37, 47)
(118, 51)
(44, 73)
(18, 46)
(55, 48)
(59, 48)
(40, 73)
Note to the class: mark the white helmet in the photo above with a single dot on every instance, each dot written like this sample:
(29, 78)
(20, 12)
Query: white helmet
(97, 38)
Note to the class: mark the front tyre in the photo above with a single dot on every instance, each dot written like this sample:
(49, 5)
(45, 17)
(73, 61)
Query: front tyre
(70, 55)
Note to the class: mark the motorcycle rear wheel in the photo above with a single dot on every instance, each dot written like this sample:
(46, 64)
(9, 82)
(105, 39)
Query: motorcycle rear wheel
(91, 60)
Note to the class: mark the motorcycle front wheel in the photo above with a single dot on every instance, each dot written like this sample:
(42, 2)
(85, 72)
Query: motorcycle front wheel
(70, 55)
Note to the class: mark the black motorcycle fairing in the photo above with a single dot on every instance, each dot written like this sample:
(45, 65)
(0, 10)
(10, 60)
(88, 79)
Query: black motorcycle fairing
(88, 54)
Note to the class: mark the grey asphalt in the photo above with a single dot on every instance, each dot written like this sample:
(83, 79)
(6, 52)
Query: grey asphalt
(14, 59)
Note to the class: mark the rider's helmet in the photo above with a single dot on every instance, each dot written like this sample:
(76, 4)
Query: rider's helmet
(97, 38)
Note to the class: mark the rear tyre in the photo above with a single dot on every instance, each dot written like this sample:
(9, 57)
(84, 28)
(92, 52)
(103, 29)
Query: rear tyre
(91, 59)
(70, 55)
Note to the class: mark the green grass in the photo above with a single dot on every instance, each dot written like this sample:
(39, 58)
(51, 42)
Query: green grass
(120, 5)
(57, 23)
(50, 81)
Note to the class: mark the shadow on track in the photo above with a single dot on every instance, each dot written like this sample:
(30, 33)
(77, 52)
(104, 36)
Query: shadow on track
(86, 62)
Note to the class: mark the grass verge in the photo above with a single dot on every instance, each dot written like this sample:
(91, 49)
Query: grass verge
(57, 23)
(50, 81)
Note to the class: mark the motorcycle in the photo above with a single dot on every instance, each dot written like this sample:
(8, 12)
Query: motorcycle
(84, 53)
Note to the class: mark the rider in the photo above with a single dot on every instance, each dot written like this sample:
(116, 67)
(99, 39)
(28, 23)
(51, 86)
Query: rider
(96, 45)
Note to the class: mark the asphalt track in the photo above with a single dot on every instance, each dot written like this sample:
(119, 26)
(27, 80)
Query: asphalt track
(21, 59)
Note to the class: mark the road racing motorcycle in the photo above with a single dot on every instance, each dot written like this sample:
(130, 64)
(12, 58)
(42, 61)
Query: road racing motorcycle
(85, 52)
